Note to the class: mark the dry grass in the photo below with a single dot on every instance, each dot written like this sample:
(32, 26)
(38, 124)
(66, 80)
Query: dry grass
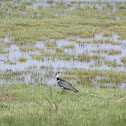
(22, 59)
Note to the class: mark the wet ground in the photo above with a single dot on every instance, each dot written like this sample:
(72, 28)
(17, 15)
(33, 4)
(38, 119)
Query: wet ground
(70, 4)
(35, 71)
(19, 66)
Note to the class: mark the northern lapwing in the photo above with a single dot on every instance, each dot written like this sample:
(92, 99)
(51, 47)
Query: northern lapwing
(64, 84)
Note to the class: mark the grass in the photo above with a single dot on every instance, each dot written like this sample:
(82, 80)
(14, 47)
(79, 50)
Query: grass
(51, 45)
(111, 63)
(83, 22)
(22, 59)
(100, 51)
(117, 30)
(87, 77)
(72, 39)
(57, 54)
(115, 52)
(27, 49)
(71, 46)
(41, 50)
(50, 1)
(101, 41)
(59, 50)
(27, 3)
(37, 57)
(110, 51)
(10, 62)
(3, 50)
(64, 56)
(31, 105)
(23, 104)
(87, 58)
(123, 59)
(107, 34)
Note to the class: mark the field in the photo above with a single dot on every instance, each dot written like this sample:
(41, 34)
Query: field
(85, 41)
(30, 105)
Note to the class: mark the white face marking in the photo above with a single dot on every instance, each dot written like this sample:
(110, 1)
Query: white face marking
(58, 75)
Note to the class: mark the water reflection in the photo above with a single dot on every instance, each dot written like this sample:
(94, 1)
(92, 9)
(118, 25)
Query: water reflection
(34, 71)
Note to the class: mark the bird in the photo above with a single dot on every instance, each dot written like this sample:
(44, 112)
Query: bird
(64, 84)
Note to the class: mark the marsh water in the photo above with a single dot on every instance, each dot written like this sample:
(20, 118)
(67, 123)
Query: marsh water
(34, 71)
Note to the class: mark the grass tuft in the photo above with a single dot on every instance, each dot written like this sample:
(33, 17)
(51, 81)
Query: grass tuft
(22, 59)
(3, 50)
(123, 59)
(37, 57)
(107, 34)
(87, 58)
(101, 41)
(51, 45)
(68, 46)
(115, 52)
(111, 63)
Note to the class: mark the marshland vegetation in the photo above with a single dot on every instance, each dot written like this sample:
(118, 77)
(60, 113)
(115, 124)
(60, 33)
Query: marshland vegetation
(85, 41)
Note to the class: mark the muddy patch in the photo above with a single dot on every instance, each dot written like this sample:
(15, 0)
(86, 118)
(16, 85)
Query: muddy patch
(8, 97)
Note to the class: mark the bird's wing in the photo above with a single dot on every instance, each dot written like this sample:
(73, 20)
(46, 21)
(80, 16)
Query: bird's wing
(66, 84)
(64, 81)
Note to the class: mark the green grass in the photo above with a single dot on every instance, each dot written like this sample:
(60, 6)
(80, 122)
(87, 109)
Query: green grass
(10, 62)
(107, 34)
(64, 56)
(86, 77)
(85, 22)
(28, 105)
(31, 105)
(56, 54)
(72, 39)
(123, 59)
(115, 52)
(88, 58)
(100, 51)
(101, 41)
(3, 50)
(27, 3)
(51, 45)
(71, 46)
(27, 49)
(111, 63)
(110, 51)
(59, 50)
(37, 57)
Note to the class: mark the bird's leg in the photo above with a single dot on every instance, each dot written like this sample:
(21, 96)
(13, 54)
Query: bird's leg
(63, 90)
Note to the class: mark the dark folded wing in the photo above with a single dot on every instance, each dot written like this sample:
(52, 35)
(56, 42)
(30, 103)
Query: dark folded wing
(66, 84)
(64, 81)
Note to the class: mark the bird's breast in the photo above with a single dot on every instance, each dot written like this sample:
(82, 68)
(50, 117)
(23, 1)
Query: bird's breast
(60, 83)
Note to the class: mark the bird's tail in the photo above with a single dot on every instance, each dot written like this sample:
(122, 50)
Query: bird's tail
(76, 91)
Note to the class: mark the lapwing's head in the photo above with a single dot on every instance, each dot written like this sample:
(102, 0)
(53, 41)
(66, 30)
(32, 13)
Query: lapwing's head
(57, 74)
